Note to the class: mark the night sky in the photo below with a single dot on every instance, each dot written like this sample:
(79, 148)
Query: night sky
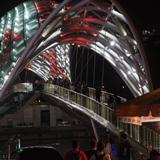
(144, 14)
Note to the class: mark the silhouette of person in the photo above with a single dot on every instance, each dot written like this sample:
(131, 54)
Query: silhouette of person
(124, 147)
(75, 153)
(98, 93)
(100, 153)
(92, 150)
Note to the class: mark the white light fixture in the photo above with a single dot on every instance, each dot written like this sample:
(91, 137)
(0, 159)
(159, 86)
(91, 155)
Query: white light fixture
(6, 77)
(112, 43)
(129, 72)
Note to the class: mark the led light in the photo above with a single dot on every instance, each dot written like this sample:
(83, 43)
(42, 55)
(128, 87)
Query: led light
(112, 43)
(19, 150)
(6, 77)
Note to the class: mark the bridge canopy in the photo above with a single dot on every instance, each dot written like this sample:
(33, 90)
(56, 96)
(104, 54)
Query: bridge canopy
(39, 35)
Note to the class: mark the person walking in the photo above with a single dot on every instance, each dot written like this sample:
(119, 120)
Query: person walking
(98, 93)
(100, 153)
(75, 153)
(124, 147)
(93, 147)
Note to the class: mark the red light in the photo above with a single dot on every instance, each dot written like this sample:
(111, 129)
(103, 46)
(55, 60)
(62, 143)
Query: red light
(61, 35)
(17, 36)
(65, 18)
(95, 34)
(8, 32)
(69, 7)
(6, 38)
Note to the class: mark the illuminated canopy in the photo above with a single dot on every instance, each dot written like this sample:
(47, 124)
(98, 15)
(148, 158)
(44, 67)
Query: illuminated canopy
(37, 35)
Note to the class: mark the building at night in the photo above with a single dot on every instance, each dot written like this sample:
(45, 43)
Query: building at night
(57, 42)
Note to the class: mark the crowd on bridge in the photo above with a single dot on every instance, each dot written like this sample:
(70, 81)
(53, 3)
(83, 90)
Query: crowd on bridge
(82, 87)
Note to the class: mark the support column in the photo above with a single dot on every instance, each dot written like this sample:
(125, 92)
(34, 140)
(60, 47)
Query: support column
(94, 129)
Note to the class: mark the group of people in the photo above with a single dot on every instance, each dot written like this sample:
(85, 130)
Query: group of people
(104, 149)
(154, 155)
(65, 82)
(107, 149)
(97, 152)
(81, 87)
(112, 99)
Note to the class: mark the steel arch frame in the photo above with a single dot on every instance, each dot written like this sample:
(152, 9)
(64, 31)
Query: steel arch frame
(136, 80)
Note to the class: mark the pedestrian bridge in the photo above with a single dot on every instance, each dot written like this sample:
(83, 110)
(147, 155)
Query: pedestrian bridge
(141, 137)
(104, 115)
(41, 40)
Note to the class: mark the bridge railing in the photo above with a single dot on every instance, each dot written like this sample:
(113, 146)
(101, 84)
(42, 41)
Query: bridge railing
(143, 135)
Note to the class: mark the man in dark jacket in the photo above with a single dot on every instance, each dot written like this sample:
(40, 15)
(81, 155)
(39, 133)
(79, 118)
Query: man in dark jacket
(124, 147)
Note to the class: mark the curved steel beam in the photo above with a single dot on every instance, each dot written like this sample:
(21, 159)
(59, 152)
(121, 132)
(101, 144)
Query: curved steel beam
(112, 43)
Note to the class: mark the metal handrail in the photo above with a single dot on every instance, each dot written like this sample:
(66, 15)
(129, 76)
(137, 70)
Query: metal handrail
(141, 134)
